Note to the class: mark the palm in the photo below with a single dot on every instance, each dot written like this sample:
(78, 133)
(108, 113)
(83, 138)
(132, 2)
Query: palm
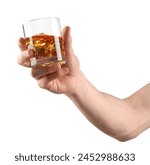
(61, 85)
(64, 83)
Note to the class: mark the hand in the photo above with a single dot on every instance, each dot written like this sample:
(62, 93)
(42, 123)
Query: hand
(54, 77)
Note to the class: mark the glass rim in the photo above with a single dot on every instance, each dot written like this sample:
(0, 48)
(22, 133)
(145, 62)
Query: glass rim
(41, 18)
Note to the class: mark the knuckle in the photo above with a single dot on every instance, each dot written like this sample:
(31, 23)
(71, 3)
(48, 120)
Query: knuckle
(31, 52)
(66, 70)
(20, 60)
(63, 71)
(33, 73)
(42, 84)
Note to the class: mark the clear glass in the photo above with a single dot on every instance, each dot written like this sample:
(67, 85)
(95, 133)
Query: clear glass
(43, 36)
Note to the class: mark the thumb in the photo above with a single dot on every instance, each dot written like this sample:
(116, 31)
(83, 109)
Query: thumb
(66, 34)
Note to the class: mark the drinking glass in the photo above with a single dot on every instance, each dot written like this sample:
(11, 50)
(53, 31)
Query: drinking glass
(43, 37)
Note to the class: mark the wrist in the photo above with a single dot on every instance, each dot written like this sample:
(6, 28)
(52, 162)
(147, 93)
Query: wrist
(81, 87)
(77, 85)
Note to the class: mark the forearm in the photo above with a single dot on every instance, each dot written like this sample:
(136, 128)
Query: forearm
(112, 115)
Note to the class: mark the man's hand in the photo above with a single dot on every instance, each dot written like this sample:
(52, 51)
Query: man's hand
(122, 119)
(54, 77)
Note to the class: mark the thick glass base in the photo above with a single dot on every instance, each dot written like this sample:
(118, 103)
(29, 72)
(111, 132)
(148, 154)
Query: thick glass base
(45, 61)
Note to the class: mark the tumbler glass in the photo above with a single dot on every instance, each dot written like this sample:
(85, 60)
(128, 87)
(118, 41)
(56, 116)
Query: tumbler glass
(43, 37)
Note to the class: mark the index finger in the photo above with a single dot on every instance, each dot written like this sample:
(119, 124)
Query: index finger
(21, 44)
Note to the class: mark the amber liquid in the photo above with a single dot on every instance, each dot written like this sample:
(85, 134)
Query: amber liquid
(46, 49)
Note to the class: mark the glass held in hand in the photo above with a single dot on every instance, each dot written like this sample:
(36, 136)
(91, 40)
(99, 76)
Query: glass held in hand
(43, 37)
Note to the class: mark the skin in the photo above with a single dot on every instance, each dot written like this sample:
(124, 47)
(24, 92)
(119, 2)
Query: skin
(122, 119)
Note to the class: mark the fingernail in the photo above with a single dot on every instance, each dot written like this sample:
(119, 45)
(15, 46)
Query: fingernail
(58, 65)
(54, 68)
(31, 52)
(68, 27)
(21, 40)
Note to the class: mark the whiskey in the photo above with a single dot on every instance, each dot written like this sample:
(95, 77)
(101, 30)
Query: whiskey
(46, 49)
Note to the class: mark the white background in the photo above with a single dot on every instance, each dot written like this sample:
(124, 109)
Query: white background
(111, 38)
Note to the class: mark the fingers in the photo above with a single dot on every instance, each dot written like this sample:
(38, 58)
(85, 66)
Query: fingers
(41, 71)
(72, 61)
(45, 81)
(24, 58)
(68, 41)
(63, 71)
(21, 44)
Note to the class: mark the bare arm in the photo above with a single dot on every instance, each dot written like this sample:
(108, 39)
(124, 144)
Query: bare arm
(122, 119)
